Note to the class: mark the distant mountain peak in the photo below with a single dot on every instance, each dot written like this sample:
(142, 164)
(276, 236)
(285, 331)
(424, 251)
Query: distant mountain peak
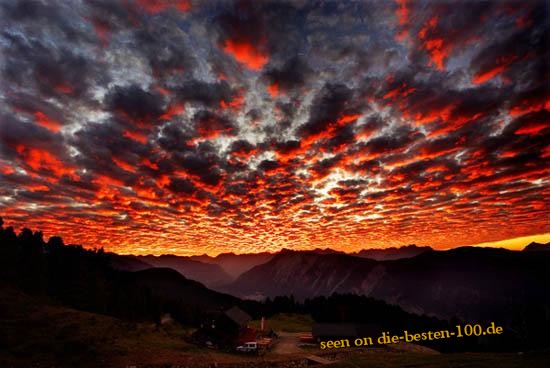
(537, 247)
(326, 251)
(392, 253)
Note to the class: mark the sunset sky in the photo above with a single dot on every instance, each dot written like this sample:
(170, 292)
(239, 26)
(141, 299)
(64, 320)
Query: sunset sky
(192, 127)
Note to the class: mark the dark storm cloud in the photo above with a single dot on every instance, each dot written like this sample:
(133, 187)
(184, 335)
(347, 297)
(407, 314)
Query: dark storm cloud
(211, 125)
(341, 140)
(242, 148)
(164, 46)
(31, 12)
(16, 134)
(277, 29)
(398, 140)
(33, 105)
(203, 163)
(523, 43)
(141, 106)
(184, 186)
(208, 94)
(103, 149)
(293, 74)
(55, 72)
(173, 138)
(323, 167)
(269, 165)
(287, 147)
(330, 104)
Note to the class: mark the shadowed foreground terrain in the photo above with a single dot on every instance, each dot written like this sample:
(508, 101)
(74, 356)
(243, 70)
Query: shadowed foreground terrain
(36, 332)
(464, 360)
(39, 332)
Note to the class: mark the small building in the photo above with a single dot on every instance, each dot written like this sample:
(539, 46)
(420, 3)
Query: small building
(223, 329)
(235, 318)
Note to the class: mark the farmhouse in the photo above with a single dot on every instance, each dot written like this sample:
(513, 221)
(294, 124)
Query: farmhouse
(225, 329)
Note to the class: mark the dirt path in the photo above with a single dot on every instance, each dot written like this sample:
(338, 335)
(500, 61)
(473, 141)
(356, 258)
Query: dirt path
(287, 343)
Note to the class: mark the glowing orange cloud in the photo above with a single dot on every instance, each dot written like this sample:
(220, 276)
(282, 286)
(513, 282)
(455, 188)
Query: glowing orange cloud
(157, 6)
(246, 53)
(437, 48)
(402, 14)
(40, 159)
(136, 136)
(172, 111)
(234, 104)
(273, 89)
(48, 123)
(501, 65)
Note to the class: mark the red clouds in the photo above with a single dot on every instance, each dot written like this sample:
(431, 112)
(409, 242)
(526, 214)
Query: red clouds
(40, 160)
(402, 14)
(136, 136)
(530, 101)
(157, 6)
(242, 34)
(48, 123)
(210, 126)
(233, 104)
(252, 125)
(173, 110)
(533, 123)
(250, 55)
(401, 91)
(273, 89)
(436, 46)
(500, 65)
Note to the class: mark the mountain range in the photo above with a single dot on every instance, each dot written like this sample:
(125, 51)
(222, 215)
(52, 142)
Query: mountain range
(474, 284)
(226, 267)
(384, 254)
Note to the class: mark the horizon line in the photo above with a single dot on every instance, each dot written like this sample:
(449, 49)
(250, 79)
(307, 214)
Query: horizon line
(516, 244)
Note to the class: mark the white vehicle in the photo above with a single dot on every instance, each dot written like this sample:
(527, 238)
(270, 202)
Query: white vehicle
(248, 347)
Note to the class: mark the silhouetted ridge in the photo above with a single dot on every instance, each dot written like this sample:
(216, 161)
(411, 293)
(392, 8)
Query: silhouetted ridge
(537, 247)
(85, 279)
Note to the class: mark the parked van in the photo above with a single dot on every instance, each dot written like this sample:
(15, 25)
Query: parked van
(249, 347)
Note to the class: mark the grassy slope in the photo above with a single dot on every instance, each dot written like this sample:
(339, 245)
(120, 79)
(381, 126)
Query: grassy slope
(287, 323)
(34, 332)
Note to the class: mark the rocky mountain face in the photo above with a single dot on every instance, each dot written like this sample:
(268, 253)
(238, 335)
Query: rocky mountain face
(210, 271)
(475, 284)
(224, 268)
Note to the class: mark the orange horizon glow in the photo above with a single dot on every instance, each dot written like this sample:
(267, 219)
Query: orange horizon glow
(516, 243)
(73, 235)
